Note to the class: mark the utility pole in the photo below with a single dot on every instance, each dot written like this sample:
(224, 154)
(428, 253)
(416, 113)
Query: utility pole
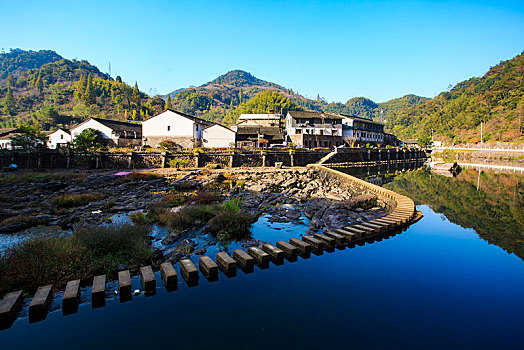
(109, 70)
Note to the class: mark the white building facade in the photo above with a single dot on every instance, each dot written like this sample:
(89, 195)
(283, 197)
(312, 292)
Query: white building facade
(183, 129)
(115, 133)
(218, 136)
(59, 138)
(361, 131)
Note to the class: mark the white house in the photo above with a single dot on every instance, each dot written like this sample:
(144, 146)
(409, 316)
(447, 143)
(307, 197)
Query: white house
(218, 136)
(59, 138)
(183, 129)
(361, 131)
(115, 133)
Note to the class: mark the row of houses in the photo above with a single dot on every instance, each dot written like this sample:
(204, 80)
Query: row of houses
(308, 129)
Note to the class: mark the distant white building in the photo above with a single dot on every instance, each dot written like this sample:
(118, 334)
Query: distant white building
(5, 137)
(183, 129)
(218, 136)
(361, 131)
(59, 138)
(115, 133)
(262, 119)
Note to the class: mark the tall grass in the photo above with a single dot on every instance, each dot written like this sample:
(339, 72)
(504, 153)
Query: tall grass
(56, 260)
(75, 200)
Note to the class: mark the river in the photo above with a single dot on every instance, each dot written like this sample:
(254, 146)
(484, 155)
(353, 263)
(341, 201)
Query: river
(453, 280)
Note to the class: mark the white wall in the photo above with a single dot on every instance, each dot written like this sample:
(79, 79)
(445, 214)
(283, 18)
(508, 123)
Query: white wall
(169, 124)
(217, 136)
(92, 124)
(58, 137)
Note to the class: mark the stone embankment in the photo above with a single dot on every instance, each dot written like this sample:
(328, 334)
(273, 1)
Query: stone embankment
(401, 212)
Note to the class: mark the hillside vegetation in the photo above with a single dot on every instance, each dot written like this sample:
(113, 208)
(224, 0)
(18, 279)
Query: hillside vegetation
(42, 87)
(496, 99)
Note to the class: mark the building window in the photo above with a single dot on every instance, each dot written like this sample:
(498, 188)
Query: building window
(298, 131)
(168, 127)
(61, 137)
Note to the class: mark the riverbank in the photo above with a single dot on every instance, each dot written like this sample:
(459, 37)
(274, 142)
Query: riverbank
(189, 205)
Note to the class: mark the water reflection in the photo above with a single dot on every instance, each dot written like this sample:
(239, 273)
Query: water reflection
(490, 203)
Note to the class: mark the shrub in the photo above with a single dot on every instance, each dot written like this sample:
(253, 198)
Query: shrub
(29, 219)
(204, 197)
(232, 205)
(140, 176)
(138, 218)
(75, 200)
(173, 199)
(233, 224)
(190, 216)
(178, 163)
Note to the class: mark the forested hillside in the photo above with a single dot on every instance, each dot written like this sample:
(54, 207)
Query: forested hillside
(42, 87)
(496, 99)
(45, 88)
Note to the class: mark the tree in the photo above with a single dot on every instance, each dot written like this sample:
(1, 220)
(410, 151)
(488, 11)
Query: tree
(9, 102)
(89, 96)
(39, 84)
(80, 87)
(135, 96)
(424, 140)
(118, 79)
(168, 102)
(89, 140)
(30, 138)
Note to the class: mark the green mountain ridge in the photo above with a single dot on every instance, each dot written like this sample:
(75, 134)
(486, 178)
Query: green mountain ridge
(43, 87)
(495, 99)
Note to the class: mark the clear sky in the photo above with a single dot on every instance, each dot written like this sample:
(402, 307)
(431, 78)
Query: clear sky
(338, 49)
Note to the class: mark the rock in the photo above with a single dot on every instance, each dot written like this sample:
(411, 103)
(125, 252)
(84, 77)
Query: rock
(13, 227)
(171, 238)
(200, 251)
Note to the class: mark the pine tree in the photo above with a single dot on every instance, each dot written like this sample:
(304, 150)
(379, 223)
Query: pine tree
(9, 102)
(80, 87)
(39, 84)
(168, 102)
(135, 96)
(89, 96)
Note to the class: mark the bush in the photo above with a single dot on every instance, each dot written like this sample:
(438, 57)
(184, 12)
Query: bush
(204, 197)
(178, 163)
(138, 218)
(190, 216)
(234, 225)
(75, 200)
(232, 205)
(142, 176)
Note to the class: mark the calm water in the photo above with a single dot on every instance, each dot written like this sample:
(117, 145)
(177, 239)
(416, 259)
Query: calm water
(437, 285)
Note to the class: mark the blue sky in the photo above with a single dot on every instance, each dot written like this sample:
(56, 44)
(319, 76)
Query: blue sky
(338, 49)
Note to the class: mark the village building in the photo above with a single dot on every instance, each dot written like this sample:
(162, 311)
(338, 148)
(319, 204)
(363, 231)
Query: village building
(183, 129)
(358, 131)
(115, 133)
(5, 137)
(259, 130)
(263, 119)
(218, 136)
(59, 138)
(312, 129)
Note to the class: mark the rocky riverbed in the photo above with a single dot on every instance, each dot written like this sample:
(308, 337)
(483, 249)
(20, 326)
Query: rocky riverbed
(295, 196)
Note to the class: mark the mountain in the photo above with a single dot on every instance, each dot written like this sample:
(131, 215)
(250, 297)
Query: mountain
(43, 87)
(495, 99)
(227, 96)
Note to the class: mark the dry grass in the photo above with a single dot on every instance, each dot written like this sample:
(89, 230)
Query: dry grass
(75, 200)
